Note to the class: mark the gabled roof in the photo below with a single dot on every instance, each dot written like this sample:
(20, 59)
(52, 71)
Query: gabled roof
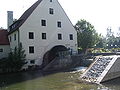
(24, 17)
(4, 37)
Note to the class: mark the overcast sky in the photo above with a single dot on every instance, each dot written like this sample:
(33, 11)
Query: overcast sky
(100, 13)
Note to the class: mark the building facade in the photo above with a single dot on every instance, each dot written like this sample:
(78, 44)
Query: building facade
(43, 26)
(4, 44)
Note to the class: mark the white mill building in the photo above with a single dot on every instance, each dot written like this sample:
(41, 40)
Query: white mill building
(43, 28)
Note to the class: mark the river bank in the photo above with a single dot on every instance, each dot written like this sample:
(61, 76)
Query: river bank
(57, 64)
(64, 80)
(19, 77)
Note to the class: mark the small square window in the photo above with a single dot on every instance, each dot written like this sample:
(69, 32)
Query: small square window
(1, 50)
(31, 35)
(32, 62)
(31, 49)
(71, 36)
(43, 35)
(43, 22)
(14, 37)
(50, 0)
(51, 11)
(59, 24)
(59, 36)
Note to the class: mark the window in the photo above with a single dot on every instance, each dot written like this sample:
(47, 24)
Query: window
(14, 37)
(71, 36)
(43, 22)
(51, 11)
(43, 35)
(1, 50)
(31, 49)
(50, 0)
(59, 24)
(32, 62)
(59, 36)
(31, 35)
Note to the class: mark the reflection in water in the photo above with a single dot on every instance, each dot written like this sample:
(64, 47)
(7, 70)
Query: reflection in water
(113, 84)
(37, 80)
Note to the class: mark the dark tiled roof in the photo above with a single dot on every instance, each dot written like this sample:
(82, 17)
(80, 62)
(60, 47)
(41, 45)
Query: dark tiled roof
(4, 37)
(24, 17)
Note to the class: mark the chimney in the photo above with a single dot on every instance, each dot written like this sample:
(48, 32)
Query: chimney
(9, 18)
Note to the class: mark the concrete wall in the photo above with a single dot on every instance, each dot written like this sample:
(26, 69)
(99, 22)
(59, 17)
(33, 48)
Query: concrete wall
(6, 50)
(33, 24)
(69, 62)
(13, 42)
(114, 71)
(59, 64)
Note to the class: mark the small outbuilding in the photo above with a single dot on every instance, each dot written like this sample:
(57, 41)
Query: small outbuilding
(4, 43)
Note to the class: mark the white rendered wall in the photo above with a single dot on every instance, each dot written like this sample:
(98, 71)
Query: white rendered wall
(6, 50)
(33, 24)
(13, 43)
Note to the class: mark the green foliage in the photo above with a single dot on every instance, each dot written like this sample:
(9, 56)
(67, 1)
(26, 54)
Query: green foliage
(101, 43)
(112, 41)
(87, 36)
(15, 60)
(3, 64)
(100, 50)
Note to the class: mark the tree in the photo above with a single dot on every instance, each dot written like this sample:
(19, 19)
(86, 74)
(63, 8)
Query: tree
(16, 59)
(87, 36)
(111, 39)
(109, 33)
(102, 42)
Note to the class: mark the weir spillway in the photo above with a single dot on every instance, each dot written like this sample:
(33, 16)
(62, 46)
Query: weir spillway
(104, 68)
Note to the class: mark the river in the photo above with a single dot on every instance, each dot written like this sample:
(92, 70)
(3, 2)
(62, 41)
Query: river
(66, 80)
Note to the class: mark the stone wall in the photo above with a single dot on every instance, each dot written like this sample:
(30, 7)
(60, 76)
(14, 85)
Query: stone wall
(59, 63)
(67, 62)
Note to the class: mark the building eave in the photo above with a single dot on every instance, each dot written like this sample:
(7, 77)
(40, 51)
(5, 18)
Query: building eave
(24, 17)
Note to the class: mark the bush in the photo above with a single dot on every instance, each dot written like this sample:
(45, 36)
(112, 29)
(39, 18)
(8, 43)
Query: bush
(15, 60)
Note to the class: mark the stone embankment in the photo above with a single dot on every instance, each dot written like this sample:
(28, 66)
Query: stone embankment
(67, 62)
(96, 69)
(104, 68)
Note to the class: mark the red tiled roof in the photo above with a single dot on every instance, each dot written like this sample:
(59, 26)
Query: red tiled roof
(4, 37)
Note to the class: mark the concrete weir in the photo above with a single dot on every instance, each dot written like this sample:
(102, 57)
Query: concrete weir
(103, 69)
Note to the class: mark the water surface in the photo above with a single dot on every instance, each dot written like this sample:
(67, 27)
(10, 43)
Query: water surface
(67, 80)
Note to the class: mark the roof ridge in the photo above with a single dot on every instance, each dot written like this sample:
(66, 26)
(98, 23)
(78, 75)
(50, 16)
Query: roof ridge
(24, 16)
